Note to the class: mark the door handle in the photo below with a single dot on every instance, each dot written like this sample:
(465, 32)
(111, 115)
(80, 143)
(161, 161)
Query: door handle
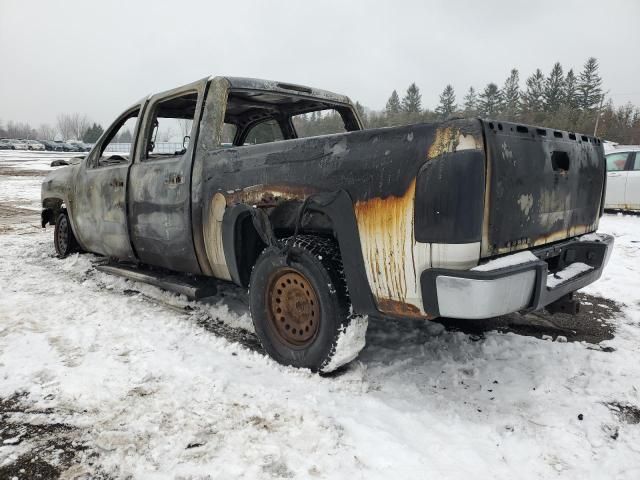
(174, 179)
(116, 183)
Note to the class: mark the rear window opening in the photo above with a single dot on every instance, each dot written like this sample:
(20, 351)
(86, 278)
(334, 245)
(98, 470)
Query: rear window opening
(263, 117)
(323, 122)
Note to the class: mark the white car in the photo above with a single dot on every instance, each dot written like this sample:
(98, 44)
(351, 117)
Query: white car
(19, 145)
(623, 178)
(33, 145)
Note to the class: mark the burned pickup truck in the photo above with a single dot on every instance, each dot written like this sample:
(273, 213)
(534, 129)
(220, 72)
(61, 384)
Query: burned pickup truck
(468, 218)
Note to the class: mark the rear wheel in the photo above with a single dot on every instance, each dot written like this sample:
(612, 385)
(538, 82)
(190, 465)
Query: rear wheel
(301, 308)
(63, 238)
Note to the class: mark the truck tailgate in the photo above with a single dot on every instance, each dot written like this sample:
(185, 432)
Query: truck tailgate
(542, 186)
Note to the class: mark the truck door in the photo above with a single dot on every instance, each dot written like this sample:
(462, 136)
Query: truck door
(99, 208)
(632, 192)
(160, 180)
(616, 179)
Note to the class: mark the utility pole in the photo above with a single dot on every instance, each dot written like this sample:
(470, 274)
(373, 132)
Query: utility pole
(595, 129)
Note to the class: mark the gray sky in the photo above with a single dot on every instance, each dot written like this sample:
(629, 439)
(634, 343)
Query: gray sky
(97, 57)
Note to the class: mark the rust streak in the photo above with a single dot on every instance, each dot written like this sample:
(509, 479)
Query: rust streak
(386, 235)
(401, 309)
(445, 141)
(267, 196)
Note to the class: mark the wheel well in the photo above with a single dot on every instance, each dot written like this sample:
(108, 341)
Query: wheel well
(51, 209)
(249, 245)
(52, 203)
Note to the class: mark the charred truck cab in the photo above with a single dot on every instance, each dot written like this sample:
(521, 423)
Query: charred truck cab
(467, 218)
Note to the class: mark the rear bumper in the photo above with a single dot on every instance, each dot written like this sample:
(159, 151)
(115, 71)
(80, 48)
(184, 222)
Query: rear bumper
(526, 285)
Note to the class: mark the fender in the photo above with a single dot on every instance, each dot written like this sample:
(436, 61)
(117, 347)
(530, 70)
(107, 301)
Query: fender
(338, 207)
(57, 190)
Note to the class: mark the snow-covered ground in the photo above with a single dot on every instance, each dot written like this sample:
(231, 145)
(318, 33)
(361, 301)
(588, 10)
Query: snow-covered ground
(102, 377)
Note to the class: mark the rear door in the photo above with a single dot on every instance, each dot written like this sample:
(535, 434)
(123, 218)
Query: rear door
(616, 179)
(160, 180)
(632, 192)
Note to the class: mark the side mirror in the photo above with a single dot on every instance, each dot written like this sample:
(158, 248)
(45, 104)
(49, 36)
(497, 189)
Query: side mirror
(185, 142)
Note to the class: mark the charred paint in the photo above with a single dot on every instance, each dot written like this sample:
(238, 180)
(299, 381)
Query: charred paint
(540, 187)
(266, 196)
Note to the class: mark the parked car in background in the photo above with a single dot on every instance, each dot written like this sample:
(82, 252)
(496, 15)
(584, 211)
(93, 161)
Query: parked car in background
(623, 178)
(65, 147)
(51, 146)
(18, 144)
(79, 146)
(34, 145)
(74, 147)
(6, 144)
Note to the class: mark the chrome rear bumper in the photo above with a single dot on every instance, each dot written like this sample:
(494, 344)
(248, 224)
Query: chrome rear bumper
(518, 282)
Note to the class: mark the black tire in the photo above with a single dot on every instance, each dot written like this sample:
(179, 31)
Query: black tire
(290, 336)
(63, 238)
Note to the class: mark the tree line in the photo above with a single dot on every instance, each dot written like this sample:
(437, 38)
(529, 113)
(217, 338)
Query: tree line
(566, 101)
(68, 126)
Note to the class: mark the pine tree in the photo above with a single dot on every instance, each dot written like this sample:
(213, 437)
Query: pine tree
(125, 137)
(92, 134)
(532, 99)
(490, 103)
(570, 95)
(393, 104)
(553, 93)
(511, 95)
(447, 102)
(471, 102)
(589, 82)
(412, 101)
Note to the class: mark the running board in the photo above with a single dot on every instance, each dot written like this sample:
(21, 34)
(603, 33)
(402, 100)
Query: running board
(192, 287)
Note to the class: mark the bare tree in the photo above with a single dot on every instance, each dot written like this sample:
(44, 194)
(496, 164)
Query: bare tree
(20, 130)
(72, 126)
(185, 126)
(63, 122)
(46, 132)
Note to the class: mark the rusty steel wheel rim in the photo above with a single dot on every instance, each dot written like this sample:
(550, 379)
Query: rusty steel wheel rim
(293, 308)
